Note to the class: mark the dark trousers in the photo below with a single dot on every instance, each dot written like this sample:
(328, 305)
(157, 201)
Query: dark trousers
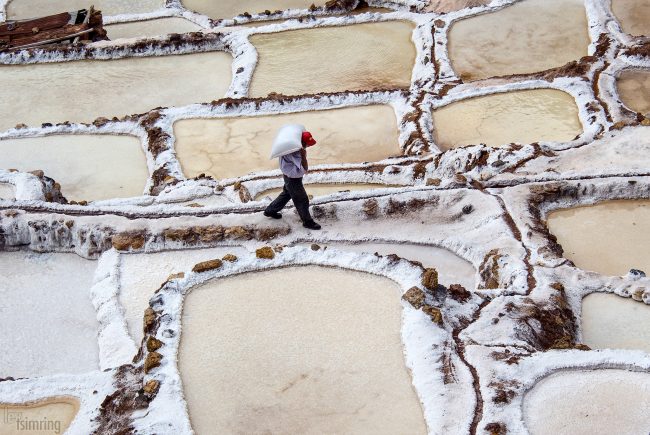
(295, 191)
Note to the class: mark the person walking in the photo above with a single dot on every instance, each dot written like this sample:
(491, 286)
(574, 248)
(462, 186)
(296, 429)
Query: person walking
(294, 166)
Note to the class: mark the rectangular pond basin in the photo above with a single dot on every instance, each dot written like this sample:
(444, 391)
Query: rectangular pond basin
(611, 237)
(48, 321)
(297, 350)
(232, 147)
(20, 9)
(499, 119)
(46, 417)
(232, 8)
(150, 28)
(634, 90)
(81, 91)
(88, 167)
(7, 191)
(529, 36)
(634, 16)
(367, 56)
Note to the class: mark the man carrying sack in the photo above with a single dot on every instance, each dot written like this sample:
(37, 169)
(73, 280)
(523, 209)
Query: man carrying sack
(290, 146)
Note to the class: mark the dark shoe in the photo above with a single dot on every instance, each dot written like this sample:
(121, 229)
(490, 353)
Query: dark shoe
(311, 225)
(272, 214)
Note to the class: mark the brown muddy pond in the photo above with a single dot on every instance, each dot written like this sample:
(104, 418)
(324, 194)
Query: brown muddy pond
(634, 16)
(231, 147)
(118, 87)
(86, 166)
(634, 90)
(150, 28)
(20, 9)
(368, 56)
(529, 36)
(297, 350)
(611, 237)
(498, 119)
(46, 417)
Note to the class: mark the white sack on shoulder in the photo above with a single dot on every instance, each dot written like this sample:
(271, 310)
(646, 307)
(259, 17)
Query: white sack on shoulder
(288, 140)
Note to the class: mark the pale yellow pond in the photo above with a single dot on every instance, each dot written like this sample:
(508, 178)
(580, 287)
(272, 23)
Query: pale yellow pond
(634, 90)
(612, 322)
(499, 119)
(634, 15)
(610, 238)
(324, 189)
(446, 6)
(88, 167)
(308, 350)
(19, 9)
(47, 417)
(529, 36)
(150, 28)
(232, 8)
(84, 90)
(231, 147)
(367, 56)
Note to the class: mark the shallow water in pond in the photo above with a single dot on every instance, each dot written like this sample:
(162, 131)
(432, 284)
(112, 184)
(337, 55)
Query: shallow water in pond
(589, 402)
(84, 90)
(47, 417)
(231, 147)
(86, 166)
(610, 238)
(612, 322)
(297, 350)
(447, 6)
(7, 191)
(367, 56)
(48, 320)
(20, 9)
(142, 274)
(634, 15)
(232, 8)
(451, 268)
(498, 119)
(316, 190)
(150, 28)
(634, 90)
(529, 36)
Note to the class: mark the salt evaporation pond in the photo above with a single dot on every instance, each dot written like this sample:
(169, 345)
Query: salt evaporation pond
(528, 36)
(20, 9)
(232, 8)
(589, 402)
(297, 350)
(47, 417)
(231, 147)
(368, 56)
(634, 90)
(611, 237)
(446, 6)
(150, 28)
(451, 268)
(142, 274)
(118, 87)
(86, 166)
(498, 119)
(48, 322)
(612, 322)
(7, 191)
(634, 16)
(325, 189)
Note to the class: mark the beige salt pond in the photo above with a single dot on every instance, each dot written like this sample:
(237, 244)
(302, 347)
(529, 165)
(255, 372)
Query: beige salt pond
(48, 322)
(634, 90)
(19, 9)
(610, 238)
(7, 191)
(612, 322)
(529, 36)
(299, 350)
(589, 402)
(368, 56)
(150, 28)
(46, 417)
(86, 166)
(231, 147)
(316, 190)
(118, 87)
(232, 8)
(498, 119)
(634, 15)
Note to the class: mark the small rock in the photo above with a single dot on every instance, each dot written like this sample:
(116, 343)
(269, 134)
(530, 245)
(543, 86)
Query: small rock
(636, 274)
(149, 319)
(433, 181)
(637, 294)
(434, 313)
(20, 126)
(153, 344)
(176, 276)
(460, 179)
(315, 247)
(126, 241)
(229, 258)
(266, 253)
(38, 173)
(646, 122)
(468, 209)
(207, 265)
(151, 387)
(414, 296)
(430, 279)
(459, 293)
(152, 361)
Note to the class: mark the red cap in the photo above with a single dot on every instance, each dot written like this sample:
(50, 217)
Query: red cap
(307, 139)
